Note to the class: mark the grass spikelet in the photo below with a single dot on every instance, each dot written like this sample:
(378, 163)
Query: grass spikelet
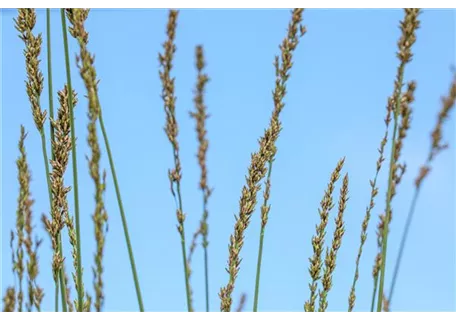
(374, 193)
(257, 169)
(200, 115)
(437, 146)
(408, 27)
(9, 300)
(331, 254)
(171, 129)
(318, 240)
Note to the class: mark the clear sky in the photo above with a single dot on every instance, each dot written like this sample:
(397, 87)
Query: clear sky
(343, 72)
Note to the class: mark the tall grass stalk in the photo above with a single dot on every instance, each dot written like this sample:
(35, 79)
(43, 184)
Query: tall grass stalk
(437, 146)
(51, 128)
(374, 192)
(83, 38)
(257, 169)
(200, 115)
(171, 129)
(408, 26)
(80, 285)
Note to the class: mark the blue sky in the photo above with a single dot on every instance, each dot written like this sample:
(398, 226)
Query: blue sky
(343, 73)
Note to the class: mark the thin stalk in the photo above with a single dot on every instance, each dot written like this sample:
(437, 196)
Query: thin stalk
(374, 294)
(184, 253)
(49, 69)
(260, 249)
(51, 114)
(74, 161)
(122, 213)
(206, 277)
(390, 188)
(403, 240)
(56, 293)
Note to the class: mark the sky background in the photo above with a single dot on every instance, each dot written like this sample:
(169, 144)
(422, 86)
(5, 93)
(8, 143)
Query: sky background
(343, 72)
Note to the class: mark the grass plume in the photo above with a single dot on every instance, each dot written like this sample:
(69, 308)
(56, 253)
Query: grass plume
(87, 71)
(318, 240)
(331, 254)
(24, 204)
(200, 115)
(282, 75)
(408, 27)
(171, 129)
(62, 145)
(374, 193)
(257, 169)
(31, 244)
(77, 18)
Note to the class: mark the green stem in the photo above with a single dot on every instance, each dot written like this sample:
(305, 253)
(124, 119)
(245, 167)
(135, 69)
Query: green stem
(49, 70)
(184, 253)
(56, 301)
(74, 162)
(51, 114)
(374, 293)
(206, 275)
(403, 241)
(260, 249)
(62, 280)
(122, 213)
(390, 188)
(257, 282)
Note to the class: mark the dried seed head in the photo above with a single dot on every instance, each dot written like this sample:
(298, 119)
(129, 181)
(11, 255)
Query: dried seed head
(25, 23)
(331, 254)
(266, 152)
(318, 240)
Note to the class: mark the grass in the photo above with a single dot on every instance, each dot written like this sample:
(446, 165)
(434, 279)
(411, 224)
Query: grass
(27, 295)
